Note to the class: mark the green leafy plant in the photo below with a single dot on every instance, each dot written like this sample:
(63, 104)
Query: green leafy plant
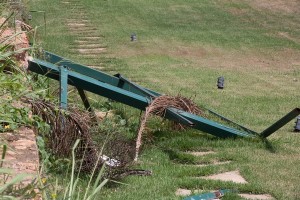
(72, 189)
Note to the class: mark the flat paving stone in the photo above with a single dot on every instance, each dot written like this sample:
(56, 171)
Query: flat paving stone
(183, 192)
(214, 163)
(257, 196)
(76, 24)
(200, 153)
(91, 51)
(89, 38)
(89, 46)
(233, 176)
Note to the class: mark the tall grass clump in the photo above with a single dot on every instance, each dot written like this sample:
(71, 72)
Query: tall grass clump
(70, 187)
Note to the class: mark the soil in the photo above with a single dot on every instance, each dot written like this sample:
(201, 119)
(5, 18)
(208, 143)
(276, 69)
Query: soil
(287, 6)
(22, 153)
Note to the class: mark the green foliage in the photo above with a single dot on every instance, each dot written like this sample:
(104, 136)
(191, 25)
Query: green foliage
(72, 186)
(184, 46)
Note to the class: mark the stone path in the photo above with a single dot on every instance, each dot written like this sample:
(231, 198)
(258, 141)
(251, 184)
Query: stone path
(88, 40)
(233, 176)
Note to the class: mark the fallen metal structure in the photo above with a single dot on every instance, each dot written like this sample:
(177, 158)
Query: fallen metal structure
(120, 89)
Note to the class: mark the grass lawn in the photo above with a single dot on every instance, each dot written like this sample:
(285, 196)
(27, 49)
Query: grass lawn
(183, 47)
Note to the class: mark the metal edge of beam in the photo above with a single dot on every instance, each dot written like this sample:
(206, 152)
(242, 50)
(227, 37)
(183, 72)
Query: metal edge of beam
(89, 84)
(280, 123)
(232, 122)
(98, 75)
(212, 127)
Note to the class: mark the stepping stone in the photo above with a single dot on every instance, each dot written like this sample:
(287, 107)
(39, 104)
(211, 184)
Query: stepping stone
(233, 176)
(87, 42)
(90, 38)
(257, 196)
(200, 153)
(82, 29)
(183, 192)
(89, 56)
(76, 21)
(214, 163)
(91, 51)
(82, 32)
(89, 46)
(76, 24)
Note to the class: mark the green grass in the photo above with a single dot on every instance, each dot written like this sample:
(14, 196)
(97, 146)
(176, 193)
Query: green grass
(182, 47)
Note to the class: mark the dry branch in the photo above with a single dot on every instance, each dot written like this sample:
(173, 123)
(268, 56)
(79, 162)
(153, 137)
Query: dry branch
(159, 106)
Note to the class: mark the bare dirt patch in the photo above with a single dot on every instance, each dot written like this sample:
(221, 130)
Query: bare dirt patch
(287, 6)
(233, 176)
(289, 37)
(22, 155)
(218, 58)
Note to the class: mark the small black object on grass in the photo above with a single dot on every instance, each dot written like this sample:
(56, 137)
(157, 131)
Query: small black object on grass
(220, 83)
(133, 37)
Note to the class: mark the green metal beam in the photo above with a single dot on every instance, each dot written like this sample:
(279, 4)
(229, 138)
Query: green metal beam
(63, 80)
(89, 84)
(232, 122)
(212, 127)
(280, 123)
(122, 90)
(84, 99)
(95, 74)
(132, 99)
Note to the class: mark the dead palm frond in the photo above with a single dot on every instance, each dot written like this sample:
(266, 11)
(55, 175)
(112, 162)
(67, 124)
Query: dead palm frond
(159, 106)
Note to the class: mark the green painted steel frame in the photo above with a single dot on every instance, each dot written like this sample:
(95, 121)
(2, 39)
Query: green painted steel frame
(120, 89)
(63, 79)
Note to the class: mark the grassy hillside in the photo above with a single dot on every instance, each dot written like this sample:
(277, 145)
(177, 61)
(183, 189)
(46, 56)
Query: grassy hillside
(182, 47)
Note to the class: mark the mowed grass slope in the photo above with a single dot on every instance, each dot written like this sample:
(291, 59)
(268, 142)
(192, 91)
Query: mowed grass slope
(182, 47)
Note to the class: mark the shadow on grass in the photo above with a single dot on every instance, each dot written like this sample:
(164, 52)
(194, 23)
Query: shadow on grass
(180, 157)
(268, 145)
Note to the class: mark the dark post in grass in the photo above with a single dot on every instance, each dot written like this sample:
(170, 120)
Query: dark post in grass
(221, 82)
(297, 126)
(133, 37)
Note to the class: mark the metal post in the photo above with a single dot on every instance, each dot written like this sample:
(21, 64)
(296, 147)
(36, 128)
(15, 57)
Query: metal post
(297, 126)
(220, 82)
(63, 79)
